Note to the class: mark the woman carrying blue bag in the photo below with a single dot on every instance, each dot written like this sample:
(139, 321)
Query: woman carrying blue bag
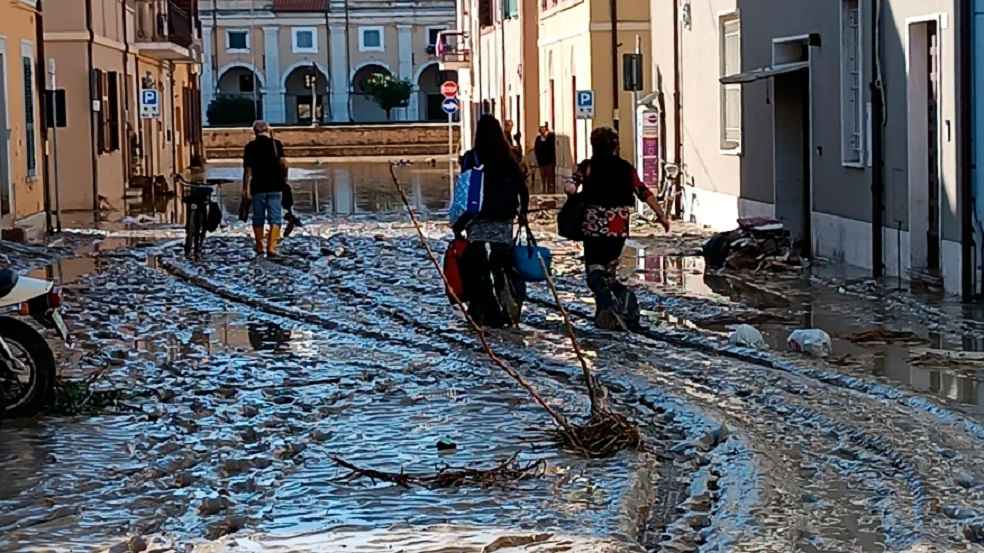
(492, 285)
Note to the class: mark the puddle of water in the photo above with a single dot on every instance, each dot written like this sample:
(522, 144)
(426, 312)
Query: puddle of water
(817, 306)
(348, 188)
(67, 271)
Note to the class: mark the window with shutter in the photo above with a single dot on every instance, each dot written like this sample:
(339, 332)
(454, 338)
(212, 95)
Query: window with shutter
(485, 13)
(852, 112)
(30, 142)
(98, 94)
(730, 53)
(113, 115)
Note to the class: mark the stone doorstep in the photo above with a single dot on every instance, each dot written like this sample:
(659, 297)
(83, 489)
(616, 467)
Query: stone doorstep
(30, 229)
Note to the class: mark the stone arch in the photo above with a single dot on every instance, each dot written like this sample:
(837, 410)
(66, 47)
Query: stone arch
(428, 84)
(321, 67)
(231, 83)
(242, 65)
(364, 108)
(297, 95)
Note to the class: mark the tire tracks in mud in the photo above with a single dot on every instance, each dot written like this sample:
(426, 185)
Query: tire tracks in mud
(879, 456)
(908, 519)
(658, 427)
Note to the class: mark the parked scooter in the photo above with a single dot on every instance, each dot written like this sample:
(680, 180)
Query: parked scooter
(27, 364)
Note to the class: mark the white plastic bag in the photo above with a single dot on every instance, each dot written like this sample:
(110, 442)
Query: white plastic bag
(747, 336)
(811, 341)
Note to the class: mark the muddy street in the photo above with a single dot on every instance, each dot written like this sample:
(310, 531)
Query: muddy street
(230, 385)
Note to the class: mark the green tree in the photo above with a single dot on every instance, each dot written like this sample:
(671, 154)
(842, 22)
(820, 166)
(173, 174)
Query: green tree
(388, 92)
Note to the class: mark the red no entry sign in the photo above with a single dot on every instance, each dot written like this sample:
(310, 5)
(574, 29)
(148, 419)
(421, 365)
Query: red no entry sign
(449, 89)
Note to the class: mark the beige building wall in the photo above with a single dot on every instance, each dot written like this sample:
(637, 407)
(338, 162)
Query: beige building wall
(508, 64)
(87, 177)
(576, 54)
(22, 186)
(716, 172)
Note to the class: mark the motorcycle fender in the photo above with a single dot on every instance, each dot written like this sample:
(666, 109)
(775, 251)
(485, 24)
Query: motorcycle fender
(27, 288)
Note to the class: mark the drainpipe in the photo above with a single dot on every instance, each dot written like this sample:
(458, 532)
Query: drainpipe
(877, 158)
(615, 79)
(502, 62)
(677, 105)
(93, 126)
(124, 135)
(40, 78)
(331, 85)
(174, 121)
(965, 28)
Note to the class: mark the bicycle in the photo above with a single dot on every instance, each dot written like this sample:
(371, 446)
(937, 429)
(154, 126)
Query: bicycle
(198, 198)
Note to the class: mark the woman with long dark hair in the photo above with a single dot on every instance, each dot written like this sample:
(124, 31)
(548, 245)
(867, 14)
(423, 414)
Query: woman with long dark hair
(610, 187)
(494, 298)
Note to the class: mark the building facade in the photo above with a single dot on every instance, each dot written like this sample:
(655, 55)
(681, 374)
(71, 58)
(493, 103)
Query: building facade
(574, 50)
(776, 118)
(504, 75)
(21, 168)
(106, 55)
(275, 52)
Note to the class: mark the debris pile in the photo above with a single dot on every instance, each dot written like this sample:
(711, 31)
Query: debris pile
(811, 341)
(758, 243)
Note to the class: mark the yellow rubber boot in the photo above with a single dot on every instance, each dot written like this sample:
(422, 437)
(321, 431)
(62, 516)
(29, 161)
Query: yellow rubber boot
(273, 241)
(258, 235)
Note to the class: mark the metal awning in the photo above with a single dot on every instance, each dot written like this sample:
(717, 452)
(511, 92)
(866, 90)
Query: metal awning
(765, 72)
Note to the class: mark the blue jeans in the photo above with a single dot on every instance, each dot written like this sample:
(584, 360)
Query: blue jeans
(268, 208)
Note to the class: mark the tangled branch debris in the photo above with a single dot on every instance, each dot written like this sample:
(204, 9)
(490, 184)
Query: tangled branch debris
(509, 470)
(606, 433)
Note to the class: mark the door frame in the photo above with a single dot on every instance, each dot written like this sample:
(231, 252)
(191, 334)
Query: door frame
(804, 39)
(940, 19)
(10, 217)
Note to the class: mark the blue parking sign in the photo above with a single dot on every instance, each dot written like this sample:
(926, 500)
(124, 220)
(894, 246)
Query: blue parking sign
(150, 103)
(585, 104)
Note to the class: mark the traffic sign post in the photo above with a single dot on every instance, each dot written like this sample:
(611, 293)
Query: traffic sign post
(150, 103)
(450, 105)
(449, 89)
(585, 104)
(584, 110)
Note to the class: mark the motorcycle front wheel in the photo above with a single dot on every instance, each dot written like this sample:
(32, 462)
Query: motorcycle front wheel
(27, 379)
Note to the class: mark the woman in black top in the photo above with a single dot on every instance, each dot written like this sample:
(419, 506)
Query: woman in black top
(610, 188)
(487, 269)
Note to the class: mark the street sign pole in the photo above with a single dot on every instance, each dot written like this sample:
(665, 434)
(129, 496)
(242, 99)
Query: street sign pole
(449, 89)
(451, 151)
(635, 109)
(54, 145)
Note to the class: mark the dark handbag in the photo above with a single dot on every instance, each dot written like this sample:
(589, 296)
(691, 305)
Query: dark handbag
(570, 220)
(244, 208)
(287, 197)
(214, 218)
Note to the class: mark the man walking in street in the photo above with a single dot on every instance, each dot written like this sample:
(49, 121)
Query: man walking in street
(545, 150)
(263, 184)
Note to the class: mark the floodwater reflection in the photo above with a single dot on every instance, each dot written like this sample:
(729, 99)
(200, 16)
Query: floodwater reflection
(348, 188)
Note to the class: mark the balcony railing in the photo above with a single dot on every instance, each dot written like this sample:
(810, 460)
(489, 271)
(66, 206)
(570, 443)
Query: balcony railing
(164, 22)
(453, 51)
